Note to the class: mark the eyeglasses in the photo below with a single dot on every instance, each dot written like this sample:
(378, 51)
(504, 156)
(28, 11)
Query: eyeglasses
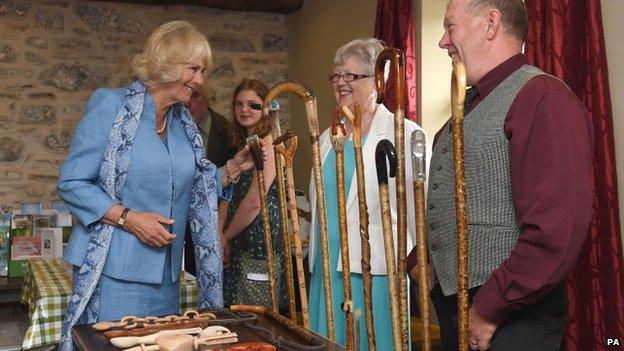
(252, 105)
(347, 76)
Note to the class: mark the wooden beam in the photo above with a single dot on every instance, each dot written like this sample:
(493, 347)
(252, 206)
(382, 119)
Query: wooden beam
(275, 6)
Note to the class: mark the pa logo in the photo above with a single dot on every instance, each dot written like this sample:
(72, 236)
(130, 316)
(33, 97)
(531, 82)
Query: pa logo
(612, 342)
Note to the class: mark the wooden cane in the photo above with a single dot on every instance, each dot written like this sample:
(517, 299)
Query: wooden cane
(309, 99)
(283, 212)
(303, 333)
(287, 154)
(458, 95)
(255, 150)
(367, 277)
(395, 56)
(338, 135)
(385, 150)
(419, 149)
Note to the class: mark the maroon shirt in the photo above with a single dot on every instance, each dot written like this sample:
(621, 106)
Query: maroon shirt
(550, 147)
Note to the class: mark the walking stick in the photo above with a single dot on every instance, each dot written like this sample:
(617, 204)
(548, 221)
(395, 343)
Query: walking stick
(367, 278)
(458, 95)
(256, 153)
(395, 56)
(338, 136)
(283, 212)
(287, 154)
(385, 150)
(311, 113)
(419, 149)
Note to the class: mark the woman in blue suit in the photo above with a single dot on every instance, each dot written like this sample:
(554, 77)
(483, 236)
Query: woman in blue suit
(134, 177)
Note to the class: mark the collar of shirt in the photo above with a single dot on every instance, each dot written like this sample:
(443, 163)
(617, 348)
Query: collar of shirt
(494, 77)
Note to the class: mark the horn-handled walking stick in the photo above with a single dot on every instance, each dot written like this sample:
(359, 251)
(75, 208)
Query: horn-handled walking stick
(338, 135)
(419, 150)
(312, 117)
(395, 56)
(385, 150)
(256, 153)
(367, 278)
(283, 213)
(287, 153)
(458, 95)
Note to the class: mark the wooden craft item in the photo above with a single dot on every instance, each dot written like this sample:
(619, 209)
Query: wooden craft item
(309, 99)
(395, 57)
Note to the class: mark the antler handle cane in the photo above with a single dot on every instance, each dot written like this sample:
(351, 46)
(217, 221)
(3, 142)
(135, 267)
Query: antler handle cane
(254, 148)
(419, 148)
(395, 57)
(283, 212)
(385, 150)
(312, 117)
(338, 135)
(287, 154)
(367, 278)
(458, 95)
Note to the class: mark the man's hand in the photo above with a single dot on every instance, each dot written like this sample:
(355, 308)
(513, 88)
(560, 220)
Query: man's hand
(480, 330)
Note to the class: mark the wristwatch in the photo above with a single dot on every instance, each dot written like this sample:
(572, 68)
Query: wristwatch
(122, 219)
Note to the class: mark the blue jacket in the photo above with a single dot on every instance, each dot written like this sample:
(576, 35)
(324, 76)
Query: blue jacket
(159, 179)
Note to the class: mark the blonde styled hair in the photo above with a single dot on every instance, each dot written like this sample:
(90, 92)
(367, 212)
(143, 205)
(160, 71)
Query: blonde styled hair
(166, 50)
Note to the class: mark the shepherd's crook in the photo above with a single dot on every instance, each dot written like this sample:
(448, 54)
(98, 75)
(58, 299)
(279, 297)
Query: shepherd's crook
(256, 153)
(281, 192)
(385, 150)
(287, 154)
(420, 176)
(338, 135)
(367, 278)
(312, 117)
(458, 95)
(395, 56)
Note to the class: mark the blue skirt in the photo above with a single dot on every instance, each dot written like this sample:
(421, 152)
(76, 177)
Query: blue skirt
(120, 298)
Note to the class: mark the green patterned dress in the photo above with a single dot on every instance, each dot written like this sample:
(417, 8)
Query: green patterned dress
(243, 281)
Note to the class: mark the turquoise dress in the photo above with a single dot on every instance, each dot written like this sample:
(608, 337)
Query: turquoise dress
(381, 303)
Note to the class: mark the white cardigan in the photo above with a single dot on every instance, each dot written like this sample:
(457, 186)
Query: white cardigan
(381, 128)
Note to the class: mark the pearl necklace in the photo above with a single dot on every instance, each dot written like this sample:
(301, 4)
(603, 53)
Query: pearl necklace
(161, 130)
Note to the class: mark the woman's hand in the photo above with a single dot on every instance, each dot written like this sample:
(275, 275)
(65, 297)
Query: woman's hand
(148, 227)
(226, 248)
(243, 159)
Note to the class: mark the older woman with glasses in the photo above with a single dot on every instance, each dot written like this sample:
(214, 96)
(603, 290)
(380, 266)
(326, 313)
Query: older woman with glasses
(352, 80)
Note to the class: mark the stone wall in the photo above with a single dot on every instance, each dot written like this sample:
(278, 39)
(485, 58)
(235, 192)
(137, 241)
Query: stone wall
(54, 53)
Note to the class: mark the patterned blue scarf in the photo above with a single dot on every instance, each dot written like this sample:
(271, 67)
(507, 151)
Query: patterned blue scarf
(83, 305)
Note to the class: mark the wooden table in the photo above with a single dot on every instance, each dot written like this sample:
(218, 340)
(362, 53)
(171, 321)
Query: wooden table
(87, 339)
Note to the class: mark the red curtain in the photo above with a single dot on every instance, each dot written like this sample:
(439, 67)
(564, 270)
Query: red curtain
(395, 26)
(566, 39)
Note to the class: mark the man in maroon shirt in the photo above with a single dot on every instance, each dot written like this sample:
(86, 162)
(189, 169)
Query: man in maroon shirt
(518, 303)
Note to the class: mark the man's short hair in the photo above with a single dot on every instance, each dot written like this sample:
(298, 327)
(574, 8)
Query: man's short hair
(513, 15)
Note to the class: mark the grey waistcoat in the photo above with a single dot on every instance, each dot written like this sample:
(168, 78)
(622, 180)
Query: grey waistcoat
(492, 226)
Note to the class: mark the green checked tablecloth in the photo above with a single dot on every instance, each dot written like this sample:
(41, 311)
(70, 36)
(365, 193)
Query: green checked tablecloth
(47, 288)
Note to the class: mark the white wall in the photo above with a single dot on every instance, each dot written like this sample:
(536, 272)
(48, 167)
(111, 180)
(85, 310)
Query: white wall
(613, 27)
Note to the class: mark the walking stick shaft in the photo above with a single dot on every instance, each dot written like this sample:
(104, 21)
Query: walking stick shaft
(458, 94)
(312, 119)
(283, 213)
(385, 150)
(287, 154)
(266, 224)
(395, 57)
(367, 278)
(419, 174)
(338, 136)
